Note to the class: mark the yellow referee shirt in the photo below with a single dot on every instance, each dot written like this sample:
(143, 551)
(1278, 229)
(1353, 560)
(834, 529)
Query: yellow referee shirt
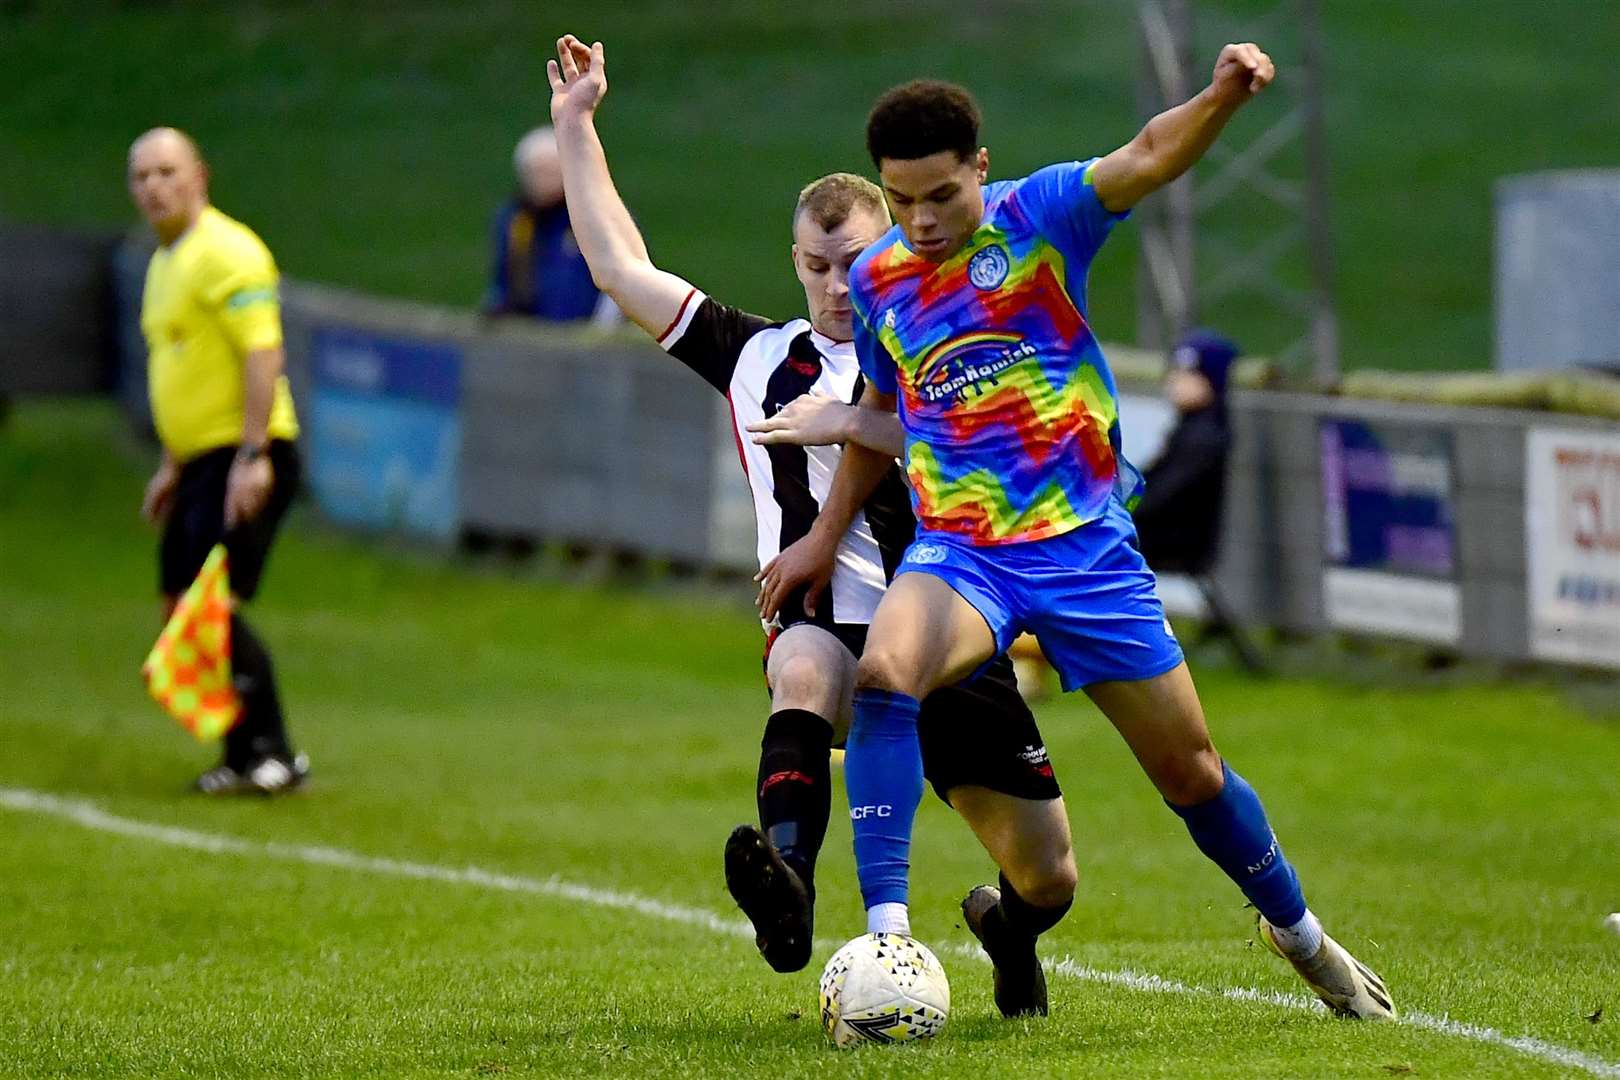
(210, 299)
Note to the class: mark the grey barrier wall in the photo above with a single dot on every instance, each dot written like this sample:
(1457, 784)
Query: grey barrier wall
(612, 444)
(55, 310)
(1487, 533)
(567, 435)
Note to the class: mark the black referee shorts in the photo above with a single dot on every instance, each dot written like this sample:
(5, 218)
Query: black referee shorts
(979, 732)
(197, 520)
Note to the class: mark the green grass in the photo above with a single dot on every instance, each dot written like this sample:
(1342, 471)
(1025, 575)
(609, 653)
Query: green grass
(370, 148)
(1460, 837)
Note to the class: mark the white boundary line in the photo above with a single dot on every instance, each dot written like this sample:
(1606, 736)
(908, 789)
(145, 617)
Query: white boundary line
(92, 817)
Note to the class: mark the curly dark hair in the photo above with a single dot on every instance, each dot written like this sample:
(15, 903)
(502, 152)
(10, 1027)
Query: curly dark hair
(920, 118)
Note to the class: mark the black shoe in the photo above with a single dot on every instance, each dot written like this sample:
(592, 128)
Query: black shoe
(1020, 982)
(772, 896)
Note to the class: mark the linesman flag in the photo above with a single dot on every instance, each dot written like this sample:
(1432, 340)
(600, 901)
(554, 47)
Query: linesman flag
(188, 671)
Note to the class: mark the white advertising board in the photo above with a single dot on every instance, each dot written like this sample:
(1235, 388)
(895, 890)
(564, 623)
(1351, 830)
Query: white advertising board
(1572, 545)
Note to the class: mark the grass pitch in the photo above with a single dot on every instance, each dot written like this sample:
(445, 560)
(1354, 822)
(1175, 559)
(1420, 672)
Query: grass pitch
(509, 860)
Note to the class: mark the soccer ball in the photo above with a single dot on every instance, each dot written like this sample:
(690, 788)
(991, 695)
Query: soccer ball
(883, 988)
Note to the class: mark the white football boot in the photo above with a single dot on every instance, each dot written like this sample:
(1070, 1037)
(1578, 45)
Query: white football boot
(1345, 985)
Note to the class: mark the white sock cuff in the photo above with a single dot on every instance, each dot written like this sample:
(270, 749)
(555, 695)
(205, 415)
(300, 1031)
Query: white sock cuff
(888, 918)
(1301, 940)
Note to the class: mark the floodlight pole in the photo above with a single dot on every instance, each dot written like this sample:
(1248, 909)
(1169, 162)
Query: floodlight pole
(1166, 285)
(1171, 294)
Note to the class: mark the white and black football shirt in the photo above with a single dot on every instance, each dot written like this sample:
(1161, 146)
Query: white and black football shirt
(761, 367)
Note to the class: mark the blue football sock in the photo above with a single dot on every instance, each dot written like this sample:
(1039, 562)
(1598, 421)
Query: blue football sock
(1233, 831)
(883, 775)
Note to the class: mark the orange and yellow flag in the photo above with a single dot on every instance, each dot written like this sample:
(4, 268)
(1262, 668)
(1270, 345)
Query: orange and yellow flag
(188, 671)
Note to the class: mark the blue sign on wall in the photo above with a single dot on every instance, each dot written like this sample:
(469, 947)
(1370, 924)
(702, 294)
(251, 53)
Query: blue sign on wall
(385, 432)
(1388, 496)
(1389, 533)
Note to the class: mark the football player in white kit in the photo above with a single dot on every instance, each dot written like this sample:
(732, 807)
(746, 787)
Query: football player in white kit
(791, 383)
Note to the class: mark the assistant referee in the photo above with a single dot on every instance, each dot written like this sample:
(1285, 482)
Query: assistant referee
(224, 413)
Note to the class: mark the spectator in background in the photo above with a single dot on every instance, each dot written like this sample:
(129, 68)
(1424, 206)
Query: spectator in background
(1178, 520)
(538, 269)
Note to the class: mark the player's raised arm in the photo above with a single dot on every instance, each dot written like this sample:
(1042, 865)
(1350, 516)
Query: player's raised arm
(1173, 141)
(607, 235)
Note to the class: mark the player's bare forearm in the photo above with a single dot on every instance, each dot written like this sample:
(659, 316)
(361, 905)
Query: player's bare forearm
(860, 468)
(1168, 146)
(1174, 140)
(875, 429)
(822, 420)
(261, 369)
(859, 471)
(607, 235)
(808, 561)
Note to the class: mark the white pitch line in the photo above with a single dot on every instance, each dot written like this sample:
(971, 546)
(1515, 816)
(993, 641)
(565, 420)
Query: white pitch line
(92, 817)
(1524, 1044)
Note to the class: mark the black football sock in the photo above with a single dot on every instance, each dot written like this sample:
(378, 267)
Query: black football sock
(795, 787)
(1024, 921)
(261, 730)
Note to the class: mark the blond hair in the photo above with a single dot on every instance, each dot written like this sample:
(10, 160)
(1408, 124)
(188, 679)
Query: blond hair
(830, 200)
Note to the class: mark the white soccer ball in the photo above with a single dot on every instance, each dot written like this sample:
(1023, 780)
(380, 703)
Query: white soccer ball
(883, 988)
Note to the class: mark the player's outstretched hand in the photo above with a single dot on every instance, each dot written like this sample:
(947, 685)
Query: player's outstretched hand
(808, 420)
(578, 78)
(806, 562)
(1242, 71)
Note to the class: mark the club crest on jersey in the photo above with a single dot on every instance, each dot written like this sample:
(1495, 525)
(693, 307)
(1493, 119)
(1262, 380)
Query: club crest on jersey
(925, 554)
(988, 268)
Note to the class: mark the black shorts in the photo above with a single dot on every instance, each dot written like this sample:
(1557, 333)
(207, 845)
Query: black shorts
(979, 731)
(197, 520)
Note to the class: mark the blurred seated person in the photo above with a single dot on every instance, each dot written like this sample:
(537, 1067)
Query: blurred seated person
(1179, 518)
(538, 270)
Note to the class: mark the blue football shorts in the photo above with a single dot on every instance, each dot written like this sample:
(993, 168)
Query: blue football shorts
(1087, 596)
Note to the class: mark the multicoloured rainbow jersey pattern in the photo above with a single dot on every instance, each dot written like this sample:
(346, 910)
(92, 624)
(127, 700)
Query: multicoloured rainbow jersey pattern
(1010, 411)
